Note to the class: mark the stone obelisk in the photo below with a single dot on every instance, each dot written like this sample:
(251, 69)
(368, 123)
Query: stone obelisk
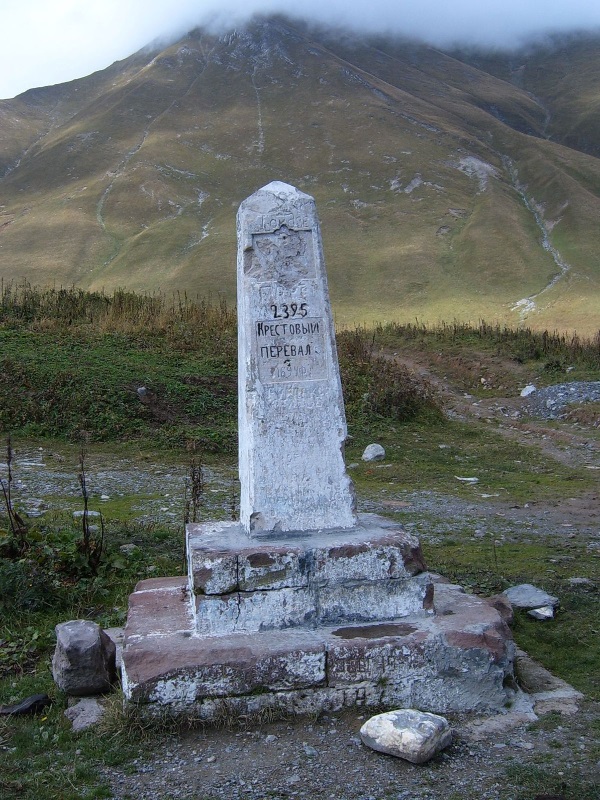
(301, 607)
(292, 425)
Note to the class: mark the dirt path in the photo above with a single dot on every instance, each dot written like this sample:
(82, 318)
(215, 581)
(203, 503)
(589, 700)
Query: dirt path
(574, 442)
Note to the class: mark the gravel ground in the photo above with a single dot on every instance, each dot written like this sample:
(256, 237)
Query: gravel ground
(552, 402)
(489, 759)
(45, 479)
(326, 759)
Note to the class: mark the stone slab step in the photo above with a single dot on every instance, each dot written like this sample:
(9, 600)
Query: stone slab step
(244, 585)
(458, 659)
(223, 559)
(253, 612)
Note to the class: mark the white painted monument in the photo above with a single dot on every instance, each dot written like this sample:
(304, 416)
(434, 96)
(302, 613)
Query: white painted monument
(302, 606)
(292, 425)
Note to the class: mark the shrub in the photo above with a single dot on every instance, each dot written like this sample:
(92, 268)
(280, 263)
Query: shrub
(379, 385)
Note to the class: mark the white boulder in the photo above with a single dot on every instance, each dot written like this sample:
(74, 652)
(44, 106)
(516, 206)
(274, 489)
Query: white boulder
(415, 736)
(543, 613)
(374, 452)
(527, 390)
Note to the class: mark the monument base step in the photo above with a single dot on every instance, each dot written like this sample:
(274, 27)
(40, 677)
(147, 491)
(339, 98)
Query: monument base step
(242, 584)
(458, 657)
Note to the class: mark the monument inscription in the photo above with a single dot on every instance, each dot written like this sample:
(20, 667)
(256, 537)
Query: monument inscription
(291, 351)
(291, 416)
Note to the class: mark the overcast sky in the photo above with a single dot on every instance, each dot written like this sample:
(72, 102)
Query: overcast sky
(50, 41)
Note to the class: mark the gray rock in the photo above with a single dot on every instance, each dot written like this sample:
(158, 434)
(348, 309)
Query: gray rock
(527, 596)
(543, 613)
(415, 736)
(374, 452)
(84, 658)
(581, 582)
(503, 606)
(84, 714)
(533, 677)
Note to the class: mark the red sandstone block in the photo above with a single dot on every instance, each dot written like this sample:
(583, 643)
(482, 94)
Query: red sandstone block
(382, 653)
(374, 600)
(160, 604)
(250, 612)
(269, 568)
(186, 669)
(217, 572)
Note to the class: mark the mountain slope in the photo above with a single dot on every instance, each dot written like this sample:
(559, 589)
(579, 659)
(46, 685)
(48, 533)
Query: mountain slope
(439, 193)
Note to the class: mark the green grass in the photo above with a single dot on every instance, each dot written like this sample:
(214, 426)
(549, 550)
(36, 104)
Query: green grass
(533, 780)
(568, 645)
(42, 759)
(432, 456)
(72, 364)
(86, 388)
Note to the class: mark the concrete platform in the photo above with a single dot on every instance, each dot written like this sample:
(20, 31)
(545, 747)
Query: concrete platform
(456, 656)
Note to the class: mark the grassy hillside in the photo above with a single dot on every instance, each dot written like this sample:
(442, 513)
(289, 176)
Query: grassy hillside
(440, 194)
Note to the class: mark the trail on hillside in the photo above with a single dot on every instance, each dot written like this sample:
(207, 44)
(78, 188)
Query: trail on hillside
(260, 145)
(527, 305)
(54, 121)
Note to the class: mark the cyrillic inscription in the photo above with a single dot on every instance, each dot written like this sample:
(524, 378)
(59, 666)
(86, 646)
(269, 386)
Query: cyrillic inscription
(291, 351)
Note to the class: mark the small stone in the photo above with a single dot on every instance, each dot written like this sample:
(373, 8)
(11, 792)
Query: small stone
(84, 658)
(84, 714)
(527, 596)
(580, 582)
(527, 390)
(415, 736)
(374, 452)
(543, 613)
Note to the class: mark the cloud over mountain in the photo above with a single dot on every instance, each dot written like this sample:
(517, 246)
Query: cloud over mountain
(44, 43)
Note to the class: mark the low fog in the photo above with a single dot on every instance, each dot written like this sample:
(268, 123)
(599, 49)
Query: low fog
(44, 42)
